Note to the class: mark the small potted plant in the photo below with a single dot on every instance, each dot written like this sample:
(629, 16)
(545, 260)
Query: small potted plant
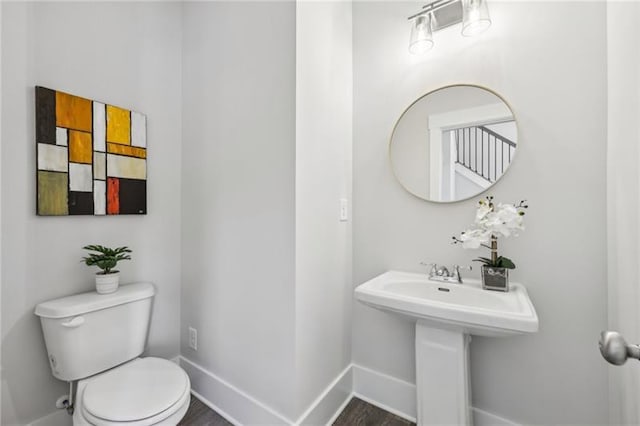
(106, 259)
(493, 221)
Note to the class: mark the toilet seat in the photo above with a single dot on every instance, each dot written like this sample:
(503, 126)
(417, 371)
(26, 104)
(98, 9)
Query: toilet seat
(142, 392)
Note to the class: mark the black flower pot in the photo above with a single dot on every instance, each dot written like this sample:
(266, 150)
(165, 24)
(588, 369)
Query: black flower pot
(494, 278)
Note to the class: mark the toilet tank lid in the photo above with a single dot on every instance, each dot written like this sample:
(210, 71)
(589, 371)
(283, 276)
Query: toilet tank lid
(92, 301)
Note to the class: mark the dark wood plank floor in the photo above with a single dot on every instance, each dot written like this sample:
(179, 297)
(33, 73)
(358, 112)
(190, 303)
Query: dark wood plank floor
(360, 413)
(356, 413)
(199, 414)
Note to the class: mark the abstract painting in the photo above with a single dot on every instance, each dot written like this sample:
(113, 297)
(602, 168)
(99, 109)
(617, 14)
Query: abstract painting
(91, 157)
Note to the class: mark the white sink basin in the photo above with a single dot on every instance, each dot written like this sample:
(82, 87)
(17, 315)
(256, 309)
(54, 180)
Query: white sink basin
(446, 314)
(448, 305)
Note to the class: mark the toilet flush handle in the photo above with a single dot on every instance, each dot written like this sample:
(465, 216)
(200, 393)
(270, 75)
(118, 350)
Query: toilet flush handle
(73, 322)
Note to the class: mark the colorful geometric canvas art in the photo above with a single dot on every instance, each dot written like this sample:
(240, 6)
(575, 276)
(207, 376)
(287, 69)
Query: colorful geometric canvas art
(91, 157)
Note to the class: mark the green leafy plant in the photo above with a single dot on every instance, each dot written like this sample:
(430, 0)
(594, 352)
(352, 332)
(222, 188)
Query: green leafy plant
(105, 258)
(500, 262)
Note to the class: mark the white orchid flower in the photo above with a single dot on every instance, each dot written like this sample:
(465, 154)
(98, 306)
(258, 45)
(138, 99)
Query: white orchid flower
(474, 238)
(491, 222)
(482, 212)
(503, 220)
(511, 221)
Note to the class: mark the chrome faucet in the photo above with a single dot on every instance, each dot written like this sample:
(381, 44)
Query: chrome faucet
(441, 273)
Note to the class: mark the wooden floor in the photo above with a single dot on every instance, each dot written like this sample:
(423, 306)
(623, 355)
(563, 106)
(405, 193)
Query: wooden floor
(199, 414)
(359, 413)
(356, 413)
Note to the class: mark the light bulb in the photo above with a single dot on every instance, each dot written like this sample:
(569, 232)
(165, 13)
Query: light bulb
(421, 35)
(475, 17)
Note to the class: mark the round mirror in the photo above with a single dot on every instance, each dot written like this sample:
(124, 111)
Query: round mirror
(453, 143)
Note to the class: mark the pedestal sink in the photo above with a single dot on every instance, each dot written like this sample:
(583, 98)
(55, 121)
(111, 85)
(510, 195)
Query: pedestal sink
(446, 315)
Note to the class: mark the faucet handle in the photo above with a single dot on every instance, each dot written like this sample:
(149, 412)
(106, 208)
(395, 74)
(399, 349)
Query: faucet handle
(466, 268)
(433, 267)
(456, 271)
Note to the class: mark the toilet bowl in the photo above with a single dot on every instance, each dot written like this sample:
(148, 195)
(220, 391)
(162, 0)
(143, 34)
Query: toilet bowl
(142, 392)
(95, 342)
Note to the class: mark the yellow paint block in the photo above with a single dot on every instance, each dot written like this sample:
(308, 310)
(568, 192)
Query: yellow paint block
(118, 125)
(73, 112)
(80, 147)
(127, 150)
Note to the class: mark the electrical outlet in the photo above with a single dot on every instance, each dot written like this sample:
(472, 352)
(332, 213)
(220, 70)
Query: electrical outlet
(193, 338)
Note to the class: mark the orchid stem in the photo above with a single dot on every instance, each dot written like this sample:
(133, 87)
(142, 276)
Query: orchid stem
(494, 249)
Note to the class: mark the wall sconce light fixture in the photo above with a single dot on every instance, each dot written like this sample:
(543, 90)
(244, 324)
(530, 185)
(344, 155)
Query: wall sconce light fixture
(421, 35)
(474, 15)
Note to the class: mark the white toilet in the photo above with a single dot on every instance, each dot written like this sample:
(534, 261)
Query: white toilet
(96, 339)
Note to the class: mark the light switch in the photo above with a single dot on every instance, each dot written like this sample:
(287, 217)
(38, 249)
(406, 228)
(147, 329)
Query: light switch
(344, 209)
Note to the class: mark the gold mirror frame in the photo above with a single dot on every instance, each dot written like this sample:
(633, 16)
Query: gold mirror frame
(476, 86)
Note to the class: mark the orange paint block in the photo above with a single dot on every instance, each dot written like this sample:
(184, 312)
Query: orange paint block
(113, 196)
(73, 112)
(80, 147)
(118, 125)
(130, 151)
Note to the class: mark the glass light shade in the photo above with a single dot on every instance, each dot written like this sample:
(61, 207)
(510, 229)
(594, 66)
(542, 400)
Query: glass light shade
(475, 17)
(421, 35)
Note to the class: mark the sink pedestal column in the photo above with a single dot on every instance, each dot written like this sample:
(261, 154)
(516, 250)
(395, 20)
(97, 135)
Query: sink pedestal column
(442, 376)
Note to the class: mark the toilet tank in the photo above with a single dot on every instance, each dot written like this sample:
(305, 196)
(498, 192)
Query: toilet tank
(88, 333)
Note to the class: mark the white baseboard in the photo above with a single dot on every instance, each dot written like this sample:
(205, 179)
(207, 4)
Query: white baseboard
(330, 403)
(229, 401)
(57, 418)
(399, 397)
(340, 410)
(215, 408)
(239, 408)
(483, 418)
(389, 393)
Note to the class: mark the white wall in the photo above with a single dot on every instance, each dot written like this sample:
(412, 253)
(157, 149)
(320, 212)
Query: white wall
(267, 138)
(238, 194)
(125, 54)
(323, 176)
(623, 182)
(557, 375)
